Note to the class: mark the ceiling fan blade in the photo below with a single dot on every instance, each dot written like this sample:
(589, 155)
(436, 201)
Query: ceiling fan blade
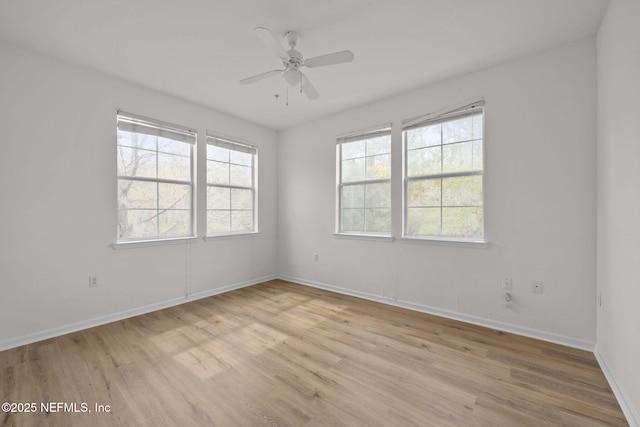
(330, 59)
(308, 88)
(271, 42)
(259, 77)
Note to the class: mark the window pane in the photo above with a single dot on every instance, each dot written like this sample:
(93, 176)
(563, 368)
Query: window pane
(424, 161)
(352, 150)
(457, 130)
(378, 220)
(137, 194)
(477, 126)
(353, 170)
(137, 223)
(423, 221)
(218, 222)
(462, 191)
(240, 158)
(241, 199)
(379, 167)
(241, 220)
(136, 162)
(424, 193)
(218, 198)
(462, 222)
(462, 157)
(353, 196)
(379, 145)
(137, 140)
(240, 176)
(423, 137)
(353, 220)
(171, 146)
(174, 196)
(217, 173)
(174, 223)
(172, 166)
(477, 163)
(378, 195)
(217, 153)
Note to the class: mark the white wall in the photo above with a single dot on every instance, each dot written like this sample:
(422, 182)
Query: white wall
(58, 201)
(540, 195)
(618, 336)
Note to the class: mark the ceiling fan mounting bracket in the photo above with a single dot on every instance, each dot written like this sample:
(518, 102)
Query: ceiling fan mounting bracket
(291, 38)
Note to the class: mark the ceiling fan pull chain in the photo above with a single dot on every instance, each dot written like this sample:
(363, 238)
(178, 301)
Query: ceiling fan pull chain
(287, 96)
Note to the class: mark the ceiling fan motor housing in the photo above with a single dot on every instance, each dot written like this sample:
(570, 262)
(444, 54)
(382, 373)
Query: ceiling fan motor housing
(296, 60)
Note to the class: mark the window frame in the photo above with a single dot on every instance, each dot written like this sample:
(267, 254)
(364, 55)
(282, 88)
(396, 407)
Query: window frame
(230, 143)
(130, 122)
(443, 116)
(377, 131)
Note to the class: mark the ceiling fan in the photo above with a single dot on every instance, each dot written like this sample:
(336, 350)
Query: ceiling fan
(292, 61)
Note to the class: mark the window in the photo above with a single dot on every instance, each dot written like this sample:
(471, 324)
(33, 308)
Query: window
(155, 179)
(444, 169)
(231, 187)
(364, 182)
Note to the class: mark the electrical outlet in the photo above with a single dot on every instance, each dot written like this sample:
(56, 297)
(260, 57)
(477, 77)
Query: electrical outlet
(93, 281)
(507, 283)
(537, 286)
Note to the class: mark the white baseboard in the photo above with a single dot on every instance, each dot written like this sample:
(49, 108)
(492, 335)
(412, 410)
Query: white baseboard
(101, 320)
(500, 326)
(632, 417)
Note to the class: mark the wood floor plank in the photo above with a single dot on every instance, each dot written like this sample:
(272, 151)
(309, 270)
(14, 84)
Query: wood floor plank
(282, 354)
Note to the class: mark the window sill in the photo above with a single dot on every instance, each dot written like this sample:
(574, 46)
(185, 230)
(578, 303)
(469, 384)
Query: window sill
(227, 236)
(477, 244)
(149, 243)
(376, 237)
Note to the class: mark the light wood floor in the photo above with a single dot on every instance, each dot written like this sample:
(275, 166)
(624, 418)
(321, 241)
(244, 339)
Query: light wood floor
(281, 354)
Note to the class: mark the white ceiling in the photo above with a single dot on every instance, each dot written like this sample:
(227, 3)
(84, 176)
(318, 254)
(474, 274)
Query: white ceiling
(199, 49)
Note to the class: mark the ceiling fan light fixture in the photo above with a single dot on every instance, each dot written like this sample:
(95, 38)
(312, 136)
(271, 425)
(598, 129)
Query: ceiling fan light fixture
(292, 76)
